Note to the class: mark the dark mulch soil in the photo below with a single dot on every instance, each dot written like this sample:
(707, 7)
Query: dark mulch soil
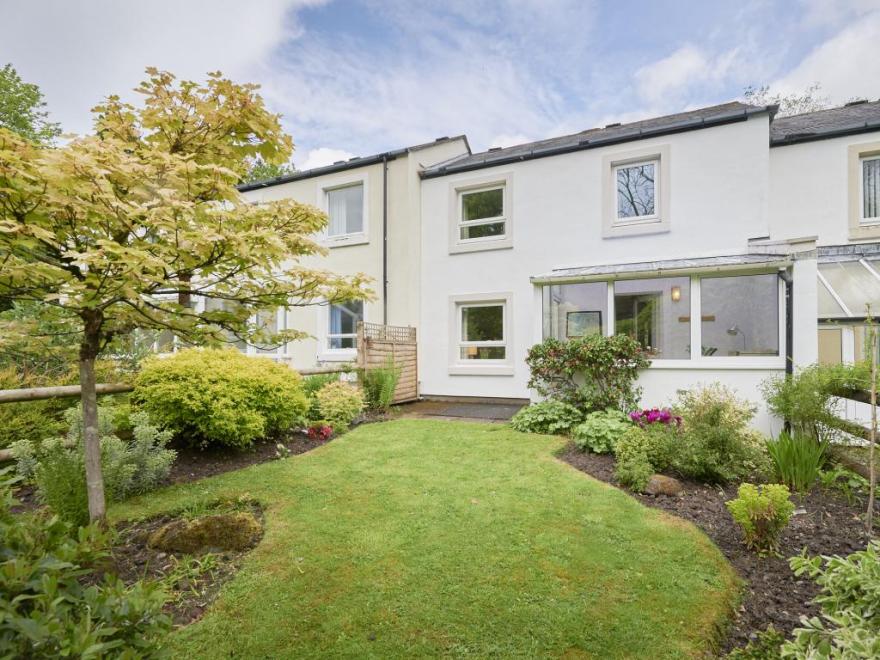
(825, 524)
(191, 582)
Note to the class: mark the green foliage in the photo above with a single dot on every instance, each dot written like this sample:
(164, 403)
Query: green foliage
(762, 512)
(766, 646)
(640, 452)
(550, 416)
(217, 396)
(717, 444)
(797, 460)
(311, 384)
(340, 404)
(851, 485)
(57, 465)
(22, 109)
(807, 399)
(48, 611)
(850, 625)
(378, 385)
(260, 170)
(600, 431)
(592, 373)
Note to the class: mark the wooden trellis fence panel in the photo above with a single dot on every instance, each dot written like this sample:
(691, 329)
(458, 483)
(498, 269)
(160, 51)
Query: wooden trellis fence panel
(378, 343)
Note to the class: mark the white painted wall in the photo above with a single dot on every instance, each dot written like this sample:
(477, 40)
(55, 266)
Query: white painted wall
(808, 189)
(719, 196)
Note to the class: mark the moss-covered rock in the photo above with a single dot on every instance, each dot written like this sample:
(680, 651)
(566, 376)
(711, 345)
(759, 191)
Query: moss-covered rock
(220, 532)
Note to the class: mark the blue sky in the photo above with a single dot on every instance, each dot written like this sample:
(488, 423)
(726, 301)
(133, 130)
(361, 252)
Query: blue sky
(362, 76)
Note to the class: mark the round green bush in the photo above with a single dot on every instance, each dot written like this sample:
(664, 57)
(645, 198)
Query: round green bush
(221, 396)
(600, 431)
(551, 417)
(340, 403)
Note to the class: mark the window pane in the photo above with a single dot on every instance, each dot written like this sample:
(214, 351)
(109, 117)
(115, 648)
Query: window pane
(482, 204)
(483, 231)
(871, 189)
(635, 190)
(575, 310)
(343, 321)
(657, 313)
(483, 352)
(345, 206)
(857, 287)
(485, 323)
(740, 315)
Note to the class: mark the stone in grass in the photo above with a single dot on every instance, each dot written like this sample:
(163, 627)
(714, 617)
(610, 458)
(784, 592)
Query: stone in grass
(220, 532)
(660, 484)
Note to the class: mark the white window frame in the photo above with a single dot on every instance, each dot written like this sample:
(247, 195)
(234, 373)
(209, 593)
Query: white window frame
(659, 222)
(325, 187)
(637, 219)
(325, 353)
(457, 191)
(489, 367)
(864, 221)
(699, 361)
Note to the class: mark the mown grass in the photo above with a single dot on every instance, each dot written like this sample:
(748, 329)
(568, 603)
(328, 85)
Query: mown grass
(418, 538)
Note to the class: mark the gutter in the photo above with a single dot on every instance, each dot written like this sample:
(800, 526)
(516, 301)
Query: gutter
(786, 277)
(745, 268)
(631, 136)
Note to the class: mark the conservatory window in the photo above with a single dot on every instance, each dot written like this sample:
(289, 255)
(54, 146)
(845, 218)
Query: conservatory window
(740, 315)
(655, 312)
(575, 310)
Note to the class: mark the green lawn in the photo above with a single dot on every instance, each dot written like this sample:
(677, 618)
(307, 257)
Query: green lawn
(437, 538)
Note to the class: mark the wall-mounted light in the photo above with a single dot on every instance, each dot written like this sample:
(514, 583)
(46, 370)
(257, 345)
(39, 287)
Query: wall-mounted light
(676, 293)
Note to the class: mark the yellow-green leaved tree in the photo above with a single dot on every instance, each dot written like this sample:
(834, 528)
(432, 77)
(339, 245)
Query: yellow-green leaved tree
(140, 226)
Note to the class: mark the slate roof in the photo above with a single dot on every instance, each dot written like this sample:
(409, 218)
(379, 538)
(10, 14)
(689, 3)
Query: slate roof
(351, 163)
(859, 117)
(599, 137)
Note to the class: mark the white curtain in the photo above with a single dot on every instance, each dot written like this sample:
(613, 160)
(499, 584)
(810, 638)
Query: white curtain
(871, 188)
(346, 210)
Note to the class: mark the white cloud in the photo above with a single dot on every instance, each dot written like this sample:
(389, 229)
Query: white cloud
(847, 65)
(688, 67)
(322, 156)
(79, 52)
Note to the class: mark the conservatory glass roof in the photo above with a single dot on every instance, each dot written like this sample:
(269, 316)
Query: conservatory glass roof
(849, 289)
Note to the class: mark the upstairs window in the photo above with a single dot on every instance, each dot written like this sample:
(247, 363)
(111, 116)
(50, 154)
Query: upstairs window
(636, 185)
(482, 214)
(482, 331)
(870, 185)
(345, 206)
(343, 320)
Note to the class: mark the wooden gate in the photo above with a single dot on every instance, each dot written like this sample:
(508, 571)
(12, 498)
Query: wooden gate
(377, 344)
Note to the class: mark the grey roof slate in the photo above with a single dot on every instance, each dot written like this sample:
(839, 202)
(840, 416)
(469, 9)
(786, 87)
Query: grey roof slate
(598, 137)
(824, 124)
(351, 163)
(665, 266)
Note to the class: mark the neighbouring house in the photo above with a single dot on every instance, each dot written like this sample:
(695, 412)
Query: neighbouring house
(374, 228)
(732, 243)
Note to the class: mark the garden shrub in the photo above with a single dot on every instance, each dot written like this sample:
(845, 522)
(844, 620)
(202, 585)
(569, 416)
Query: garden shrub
(340, 404)
(49, 610)
(216, 396)
(600, 431)
(57, 465)
(850, 624)
(641, 452)
(378, 385)
(762, 512)
(592, 373)
(807, 399)
(717, 444)
(551, 417)
(31, 421)
(797, 460)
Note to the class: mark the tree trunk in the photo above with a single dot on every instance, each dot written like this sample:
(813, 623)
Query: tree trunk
(91, 439)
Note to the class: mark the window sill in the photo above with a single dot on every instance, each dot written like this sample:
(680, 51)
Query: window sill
(345, 241)
(773, 362)
(481, 246)
(481, 370)
(636, 228)
(864, 230)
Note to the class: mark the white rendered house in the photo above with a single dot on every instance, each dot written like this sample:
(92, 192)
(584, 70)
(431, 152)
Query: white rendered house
(709, 235)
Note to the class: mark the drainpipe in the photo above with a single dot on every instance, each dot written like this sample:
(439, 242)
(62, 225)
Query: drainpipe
(785, 276)
(385, 239)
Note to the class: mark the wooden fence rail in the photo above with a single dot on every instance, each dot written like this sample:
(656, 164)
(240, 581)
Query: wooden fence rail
(57, 392)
